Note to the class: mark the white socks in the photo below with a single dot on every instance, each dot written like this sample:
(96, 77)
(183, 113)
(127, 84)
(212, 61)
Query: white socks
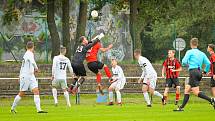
(54, 93)
(16, 101)
(156, 93)
(66, 95)
(37, 102)
(146, 96)
(118, 95)
(111, 96)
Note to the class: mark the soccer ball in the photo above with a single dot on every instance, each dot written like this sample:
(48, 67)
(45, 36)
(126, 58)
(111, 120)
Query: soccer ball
(94, 13)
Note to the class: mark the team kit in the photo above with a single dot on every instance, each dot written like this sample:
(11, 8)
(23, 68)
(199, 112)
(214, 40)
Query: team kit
(194, 60)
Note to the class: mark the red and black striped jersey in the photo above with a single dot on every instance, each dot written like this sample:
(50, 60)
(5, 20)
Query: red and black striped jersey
(169, 65)
(212, 60)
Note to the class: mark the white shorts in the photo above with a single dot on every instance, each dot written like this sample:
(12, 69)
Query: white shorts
(28, 83)
(59, 83)
(118, 85)
(151, 81)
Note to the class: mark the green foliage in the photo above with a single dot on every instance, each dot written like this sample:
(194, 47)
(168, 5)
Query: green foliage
(1, 52)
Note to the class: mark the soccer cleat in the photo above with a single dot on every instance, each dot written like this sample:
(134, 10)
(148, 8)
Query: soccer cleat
(176, 102)
(213, 102)
(110, 103)
(149, 106)
(42, 111)
(13, 111)
(179, 109)
(163, 101)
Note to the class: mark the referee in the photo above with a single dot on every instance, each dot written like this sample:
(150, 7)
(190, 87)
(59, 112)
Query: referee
(194, 59)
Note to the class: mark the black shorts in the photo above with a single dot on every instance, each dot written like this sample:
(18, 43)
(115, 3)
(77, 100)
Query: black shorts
(195, 77)
(171, 81)
(212, 82)
(79, 69)
(95, 66)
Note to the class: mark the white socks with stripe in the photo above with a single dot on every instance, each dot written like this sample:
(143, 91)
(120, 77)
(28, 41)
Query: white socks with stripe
(37, 102)
(156, 93)
(16, 101)
(66, 95)
(146, 96)
(111, 96)
(118, 95)
(54, 93)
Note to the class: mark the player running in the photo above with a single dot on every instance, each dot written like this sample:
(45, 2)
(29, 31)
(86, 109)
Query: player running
(194, 59)
(94, 65)
(171, 68)
(117, 83)
(148, 77)
(27, 79)
(59, 67)
(78, 59)
(210, 49)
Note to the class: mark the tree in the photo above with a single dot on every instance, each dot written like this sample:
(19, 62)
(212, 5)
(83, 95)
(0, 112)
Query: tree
(53, 28)
(81, 22)
(65, 27)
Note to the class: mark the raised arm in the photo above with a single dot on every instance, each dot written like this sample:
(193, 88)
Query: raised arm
(91, 44)
(107, 48)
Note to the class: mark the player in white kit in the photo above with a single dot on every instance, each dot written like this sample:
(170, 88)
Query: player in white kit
(59, 67)
(117, 83)
(27, 79)
(148, 77)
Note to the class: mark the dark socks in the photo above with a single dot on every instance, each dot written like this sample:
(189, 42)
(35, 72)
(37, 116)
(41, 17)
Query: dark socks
(186, 99)
(203, 96)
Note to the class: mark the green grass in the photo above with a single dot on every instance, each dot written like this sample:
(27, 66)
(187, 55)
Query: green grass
(134, 109)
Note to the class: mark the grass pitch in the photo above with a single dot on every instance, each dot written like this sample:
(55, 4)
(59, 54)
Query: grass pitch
(133, 109)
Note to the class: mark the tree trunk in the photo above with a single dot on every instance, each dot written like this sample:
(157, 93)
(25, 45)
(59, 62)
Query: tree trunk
(65, 27)
(136, 41)
(53, 28)
(81, 23)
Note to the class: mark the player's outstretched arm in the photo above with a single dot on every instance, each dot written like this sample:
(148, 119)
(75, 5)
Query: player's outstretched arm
(107, 48)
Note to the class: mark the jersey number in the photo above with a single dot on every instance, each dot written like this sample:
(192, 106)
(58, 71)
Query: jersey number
(62, 66)
(144, 64)
(79, 49)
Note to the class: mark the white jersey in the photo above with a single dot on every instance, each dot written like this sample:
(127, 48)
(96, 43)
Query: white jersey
(59, 67)
(118, 74)
(28, 65)
(148, 70)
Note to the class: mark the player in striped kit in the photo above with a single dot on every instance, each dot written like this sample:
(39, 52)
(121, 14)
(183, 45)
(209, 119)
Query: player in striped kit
(171, 68)
(210, 49)
(59, 67)
(117, 83)
(27, 79)
(148, 77)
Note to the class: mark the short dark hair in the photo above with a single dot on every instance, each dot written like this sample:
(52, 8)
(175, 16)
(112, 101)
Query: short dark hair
(30, 45)
(137, 51)
(212, 46)
(62, 49)
(194, 41)
(81, 39)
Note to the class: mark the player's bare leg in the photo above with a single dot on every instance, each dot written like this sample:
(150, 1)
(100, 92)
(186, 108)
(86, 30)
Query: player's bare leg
(75, 79)
(66, 95)
(213, 91)
(110, 90)
(37, 100)
(166, 91)
(16, 101)
(146, 95)
(186, 98)
(177, 95)
(98, 80)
